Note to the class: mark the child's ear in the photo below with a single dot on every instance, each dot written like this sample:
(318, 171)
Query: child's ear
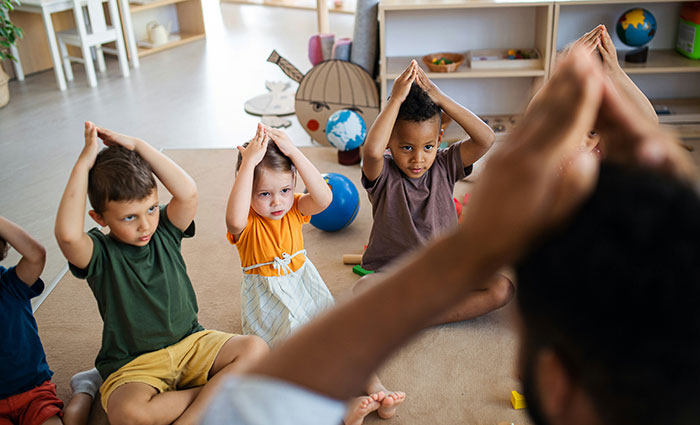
(439, 141)
(97, 217)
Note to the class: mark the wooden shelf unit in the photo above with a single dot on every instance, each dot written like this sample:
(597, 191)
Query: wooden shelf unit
(409, 29)
(190, 22)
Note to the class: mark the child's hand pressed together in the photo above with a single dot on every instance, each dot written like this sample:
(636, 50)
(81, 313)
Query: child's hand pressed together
(402, 83)
(257, 146)
(428, 86)
(92, 146)
(112, 138)
(281, 139)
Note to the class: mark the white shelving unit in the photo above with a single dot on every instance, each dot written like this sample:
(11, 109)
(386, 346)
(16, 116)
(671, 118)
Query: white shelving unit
(410, 29)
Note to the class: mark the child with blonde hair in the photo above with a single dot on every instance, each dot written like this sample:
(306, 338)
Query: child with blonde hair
(281, 288)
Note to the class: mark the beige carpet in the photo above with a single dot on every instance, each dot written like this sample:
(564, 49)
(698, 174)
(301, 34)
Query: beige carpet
(455, 374)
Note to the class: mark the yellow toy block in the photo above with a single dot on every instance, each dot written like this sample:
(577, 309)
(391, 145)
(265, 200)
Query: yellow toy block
(517, 400)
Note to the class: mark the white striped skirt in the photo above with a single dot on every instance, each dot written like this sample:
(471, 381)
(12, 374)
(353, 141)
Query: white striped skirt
(272, 307)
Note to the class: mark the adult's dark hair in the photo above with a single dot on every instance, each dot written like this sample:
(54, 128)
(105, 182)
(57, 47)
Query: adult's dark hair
(4, 247)
(418, 106)
(119, 175)
(615, 295)
(274, 160)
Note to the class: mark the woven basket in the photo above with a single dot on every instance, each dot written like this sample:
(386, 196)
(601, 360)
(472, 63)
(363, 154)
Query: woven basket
(456, 59)
(4, 88)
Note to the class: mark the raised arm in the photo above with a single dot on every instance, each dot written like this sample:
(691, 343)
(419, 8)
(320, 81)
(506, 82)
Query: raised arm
(620, 79)
(319, 195)
(75, 244)
(531, 186)
(481, 135)
(238, 205)
(33, 253)
(380, 132)
(183, 206)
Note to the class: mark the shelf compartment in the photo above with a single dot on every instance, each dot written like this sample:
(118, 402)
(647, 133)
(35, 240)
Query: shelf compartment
(396, 65)
(184, 38)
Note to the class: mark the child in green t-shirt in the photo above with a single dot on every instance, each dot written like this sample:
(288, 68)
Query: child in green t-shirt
(159, 365)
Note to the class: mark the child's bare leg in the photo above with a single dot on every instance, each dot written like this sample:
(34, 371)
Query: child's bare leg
(137, 403)
(238, 354)
(390, 400)
(359, 407)
(84, 386)
(77, 411)
(498, 292)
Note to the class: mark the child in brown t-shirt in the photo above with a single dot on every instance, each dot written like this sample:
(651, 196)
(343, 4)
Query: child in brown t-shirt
(411, 189)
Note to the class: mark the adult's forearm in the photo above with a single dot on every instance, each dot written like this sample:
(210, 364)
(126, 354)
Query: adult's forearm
(383, 318)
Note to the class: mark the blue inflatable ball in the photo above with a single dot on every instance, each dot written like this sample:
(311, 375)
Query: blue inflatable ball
(344, 207)
(346, 130)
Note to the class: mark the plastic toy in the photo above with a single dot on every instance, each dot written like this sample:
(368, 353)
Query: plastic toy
(688, 42)
(635, 28)
(517, 400)
(360, 271)
(344, 207)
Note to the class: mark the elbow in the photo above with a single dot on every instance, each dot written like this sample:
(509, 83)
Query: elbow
(38, 255)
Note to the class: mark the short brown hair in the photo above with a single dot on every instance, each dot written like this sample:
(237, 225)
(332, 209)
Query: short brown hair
(4, 247)
(274, 160)
(119, 175)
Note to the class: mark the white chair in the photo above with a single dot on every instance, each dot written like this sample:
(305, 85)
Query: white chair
(94, 33)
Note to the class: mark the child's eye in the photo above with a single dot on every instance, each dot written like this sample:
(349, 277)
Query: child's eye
(286, 190)
(264, 194)
(152, 209)
(429, 147)
(407, 148)
(129, 218)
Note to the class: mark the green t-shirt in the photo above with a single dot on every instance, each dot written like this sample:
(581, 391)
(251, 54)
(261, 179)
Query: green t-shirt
(145, 297)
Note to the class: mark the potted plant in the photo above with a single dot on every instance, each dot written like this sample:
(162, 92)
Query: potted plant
(8, 37)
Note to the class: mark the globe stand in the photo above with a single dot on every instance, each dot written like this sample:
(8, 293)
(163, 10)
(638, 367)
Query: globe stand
(637, 55)
(350, 157)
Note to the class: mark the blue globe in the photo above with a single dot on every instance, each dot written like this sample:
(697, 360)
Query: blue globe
(346, 130)
(636, 27)
(344, 206)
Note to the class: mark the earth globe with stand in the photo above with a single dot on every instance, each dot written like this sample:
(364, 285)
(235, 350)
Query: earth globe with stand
(636, 28)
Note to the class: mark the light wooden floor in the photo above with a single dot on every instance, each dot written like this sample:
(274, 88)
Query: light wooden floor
(188, 97)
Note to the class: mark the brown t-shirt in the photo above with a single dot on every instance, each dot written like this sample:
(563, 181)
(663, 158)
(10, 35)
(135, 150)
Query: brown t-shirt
(409, 211)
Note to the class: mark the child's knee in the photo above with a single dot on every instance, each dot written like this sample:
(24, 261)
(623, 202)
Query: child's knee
(255, 347)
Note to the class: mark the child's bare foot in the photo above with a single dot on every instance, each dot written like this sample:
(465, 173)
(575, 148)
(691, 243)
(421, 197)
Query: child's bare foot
(360, 407)
(391, 401)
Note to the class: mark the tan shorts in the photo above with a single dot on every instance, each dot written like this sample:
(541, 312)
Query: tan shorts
(185, 364)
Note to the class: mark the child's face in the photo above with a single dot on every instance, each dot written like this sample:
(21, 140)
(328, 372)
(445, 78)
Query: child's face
(413, 145)
(131, 222)
(273, 193)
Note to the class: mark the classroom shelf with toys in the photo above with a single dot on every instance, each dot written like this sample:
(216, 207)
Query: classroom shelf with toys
(185, 22)
(670, 80)
(410, 29)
